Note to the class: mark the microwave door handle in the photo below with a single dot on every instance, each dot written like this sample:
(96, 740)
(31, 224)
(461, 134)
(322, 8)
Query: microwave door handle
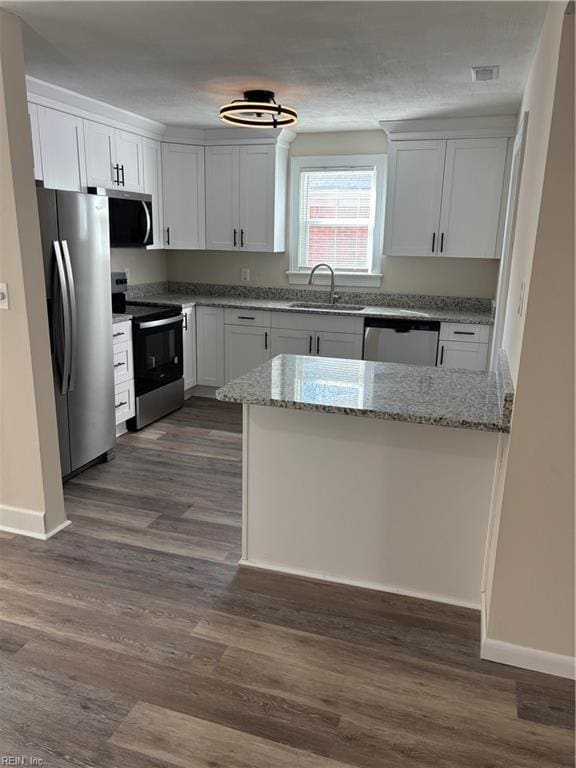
(73, 315)
(65, 297)
(148, 223)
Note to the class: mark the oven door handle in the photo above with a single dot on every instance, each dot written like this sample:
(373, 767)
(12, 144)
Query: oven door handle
(158, 323)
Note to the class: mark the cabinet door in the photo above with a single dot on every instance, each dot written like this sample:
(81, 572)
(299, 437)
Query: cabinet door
(222, 189)
(413, 197)
(245, 348)
(35, 131)
(189, 345)
(210, 346)
(292, 342)
(471, 199)
(100, 148)
(183, 198)
(129, 158)
(257, 198)
(152, 161)
(462, 354)
(62, 148)
(347, 345)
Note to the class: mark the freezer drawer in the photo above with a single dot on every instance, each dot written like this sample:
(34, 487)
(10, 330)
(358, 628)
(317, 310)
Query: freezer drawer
(407, 343)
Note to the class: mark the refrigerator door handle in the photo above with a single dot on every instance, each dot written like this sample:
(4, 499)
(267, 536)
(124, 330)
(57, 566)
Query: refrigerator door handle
(73, 316)
(148, 224)
(60, 272)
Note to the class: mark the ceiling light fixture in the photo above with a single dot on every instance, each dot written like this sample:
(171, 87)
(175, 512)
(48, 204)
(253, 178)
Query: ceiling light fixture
(258, 109)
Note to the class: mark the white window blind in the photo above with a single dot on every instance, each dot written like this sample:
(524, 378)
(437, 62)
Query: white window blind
(336, 218)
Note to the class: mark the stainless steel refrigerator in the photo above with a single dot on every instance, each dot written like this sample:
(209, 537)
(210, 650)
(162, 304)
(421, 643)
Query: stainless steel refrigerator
(75, 244)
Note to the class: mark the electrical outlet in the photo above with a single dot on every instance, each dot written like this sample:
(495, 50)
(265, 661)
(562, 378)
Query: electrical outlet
(4, 304)
(245, 275)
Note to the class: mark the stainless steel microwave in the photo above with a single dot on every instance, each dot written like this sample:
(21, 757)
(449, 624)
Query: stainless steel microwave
(130, 217)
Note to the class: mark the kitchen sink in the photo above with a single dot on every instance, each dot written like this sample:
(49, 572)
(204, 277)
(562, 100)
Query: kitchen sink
(325, 305)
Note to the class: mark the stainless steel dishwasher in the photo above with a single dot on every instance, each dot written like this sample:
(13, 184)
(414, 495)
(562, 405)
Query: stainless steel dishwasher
(401, 341)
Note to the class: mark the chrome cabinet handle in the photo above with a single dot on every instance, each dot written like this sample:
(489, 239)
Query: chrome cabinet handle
(73, 316)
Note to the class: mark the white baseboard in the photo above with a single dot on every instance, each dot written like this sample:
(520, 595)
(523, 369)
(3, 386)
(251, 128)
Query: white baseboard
(526, 658)
(27, 522)
(360, 584)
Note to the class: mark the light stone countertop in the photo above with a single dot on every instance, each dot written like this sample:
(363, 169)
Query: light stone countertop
(118, 318)
(441, 315)
(449, 397)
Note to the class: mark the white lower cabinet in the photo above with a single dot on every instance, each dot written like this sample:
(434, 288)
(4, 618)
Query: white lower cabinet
(286, 341)
(210, 346)
(463, 346)
(463, 354)
(124, 401)
(347, 345)
(245, 348)
(189, 346)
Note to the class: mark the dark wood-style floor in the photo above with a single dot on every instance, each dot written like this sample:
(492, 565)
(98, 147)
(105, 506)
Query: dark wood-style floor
(132, 640)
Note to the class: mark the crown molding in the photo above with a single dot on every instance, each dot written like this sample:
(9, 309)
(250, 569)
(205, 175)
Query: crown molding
(495, 126)
(55, 97)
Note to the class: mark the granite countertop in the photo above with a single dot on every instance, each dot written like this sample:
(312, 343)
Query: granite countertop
(442, 315)
(118, 318)
(449, 397)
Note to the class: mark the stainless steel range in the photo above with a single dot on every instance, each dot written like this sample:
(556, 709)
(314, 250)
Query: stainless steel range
(157, 350)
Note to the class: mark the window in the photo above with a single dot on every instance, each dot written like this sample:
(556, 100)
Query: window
(337, 217)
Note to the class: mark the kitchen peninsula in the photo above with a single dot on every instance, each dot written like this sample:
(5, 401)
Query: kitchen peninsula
(394, 462)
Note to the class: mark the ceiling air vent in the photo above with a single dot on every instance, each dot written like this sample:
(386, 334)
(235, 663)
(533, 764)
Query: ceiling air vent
(482, 74)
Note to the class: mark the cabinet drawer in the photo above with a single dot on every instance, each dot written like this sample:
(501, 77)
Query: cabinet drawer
(258, 317)
(121, 332)
(304, 321)
(123, 368)
(464, 332)
(124, 404)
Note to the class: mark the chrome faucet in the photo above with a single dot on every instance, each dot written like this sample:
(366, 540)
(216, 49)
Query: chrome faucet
(333, 298)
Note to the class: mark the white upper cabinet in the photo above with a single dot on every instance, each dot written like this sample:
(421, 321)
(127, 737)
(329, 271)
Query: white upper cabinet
(152, 163)
(113, 157)
(444, 197)
(129, 153)
(222, 205)
(62, 150)
(246, 197)
(471, 198)
(413, 197)
(35, 130)
(183, 198)
(99, 144)
(257, 198)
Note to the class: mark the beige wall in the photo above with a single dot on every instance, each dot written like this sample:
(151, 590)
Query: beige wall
(431, 275)
(143, 266)
(30, 485)
(537, 101)
(530, 598)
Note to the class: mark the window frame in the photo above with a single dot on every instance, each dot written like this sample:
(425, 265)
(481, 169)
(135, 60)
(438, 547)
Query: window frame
(297, 273)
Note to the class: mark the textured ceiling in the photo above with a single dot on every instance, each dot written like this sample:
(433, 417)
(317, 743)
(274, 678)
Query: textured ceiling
(342, 65)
